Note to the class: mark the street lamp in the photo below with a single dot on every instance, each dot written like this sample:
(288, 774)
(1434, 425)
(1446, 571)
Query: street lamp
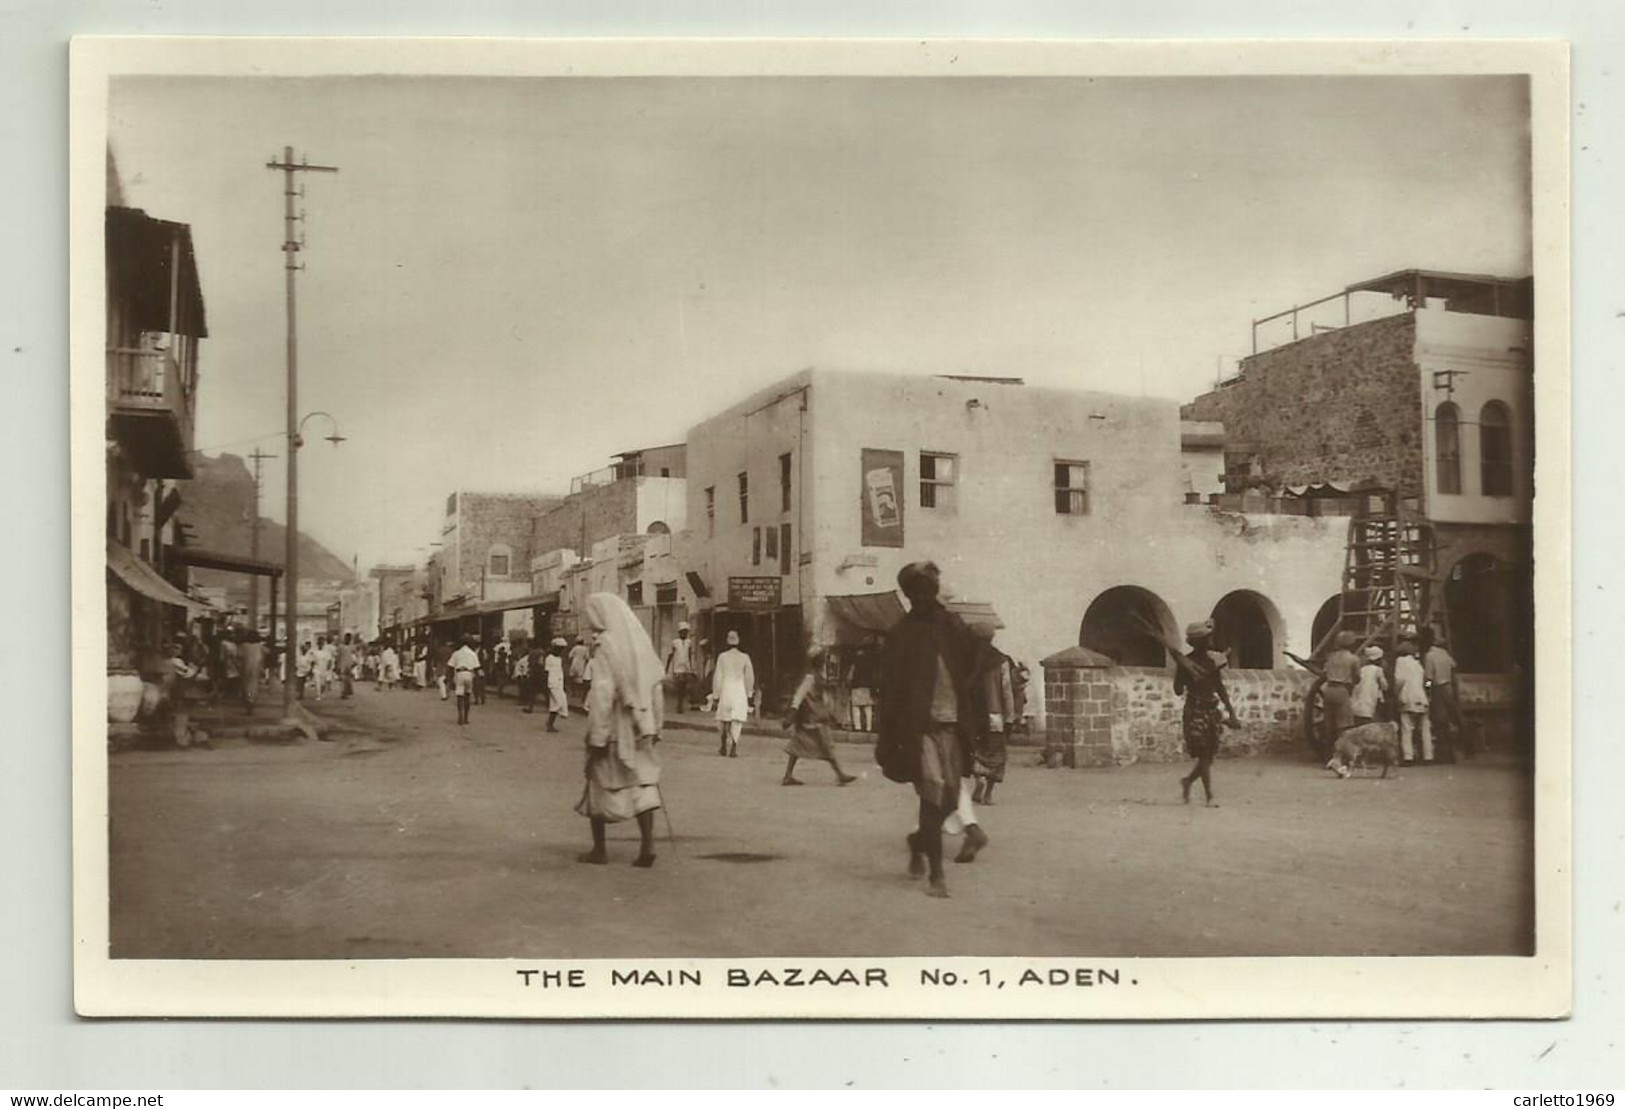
(290, 560)
(335, 438)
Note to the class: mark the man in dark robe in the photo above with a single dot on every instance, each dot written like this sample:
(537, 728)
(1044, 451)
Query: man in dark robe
(927, 713)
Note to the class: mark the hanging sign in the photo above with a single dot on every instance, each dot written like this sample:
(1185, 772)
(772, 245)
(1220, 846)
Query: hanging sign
(754, 594)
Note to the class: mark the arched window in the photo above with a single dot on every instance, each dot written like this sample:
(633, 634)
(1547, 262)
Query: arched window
(1244, 628)
(1121, 624)
(658, 527)
(1495, 450)
(1447, 443)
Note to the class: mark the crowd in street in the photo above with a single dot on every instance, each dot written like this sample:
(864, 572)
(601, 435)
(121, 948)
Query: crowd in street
(940, 697)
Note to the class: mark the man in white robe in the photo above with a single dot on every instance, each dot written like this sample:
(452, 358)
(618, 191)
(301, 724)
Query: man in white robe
(733, 688)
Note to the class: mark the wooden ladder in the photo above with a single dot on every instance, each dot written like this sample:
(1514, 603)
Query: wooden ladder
(1388, 570)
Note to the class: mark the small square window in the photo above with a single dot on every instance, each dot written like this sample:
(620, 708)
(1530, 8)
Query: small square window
(938, 477)
(634, 593)
(499, 565)
(1072, 488)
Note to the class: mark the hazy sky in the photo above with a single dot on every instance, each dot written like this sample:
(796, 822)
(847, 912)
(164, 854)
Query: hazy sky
(510, 280)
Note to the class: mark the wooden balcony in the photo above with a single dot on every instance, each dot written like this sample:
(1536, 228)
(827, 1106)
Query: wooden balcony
(150, 409)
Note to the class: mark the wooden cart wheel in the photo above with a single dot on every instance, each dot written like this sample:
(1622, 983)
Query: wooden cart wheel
(1314, 715)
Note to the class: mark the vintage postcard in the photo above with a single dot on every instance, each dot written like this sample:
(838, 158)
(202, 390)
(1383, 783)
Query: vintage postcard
(950, 530)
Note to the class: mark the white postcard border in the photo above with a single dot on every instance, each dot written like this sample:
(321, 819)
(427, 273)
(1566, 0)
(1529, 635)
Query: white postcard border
(1281, 987)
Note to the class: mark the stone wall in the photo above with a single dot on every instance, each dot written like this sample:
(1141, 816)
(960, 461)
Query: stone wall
(1106, 715)
(1342, 405)
(1146, 714)
(484, 520)
(586, 517)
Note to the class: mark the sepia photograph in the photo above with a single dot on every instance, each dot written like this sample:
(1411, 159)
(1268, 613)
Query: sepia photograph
(760, 535)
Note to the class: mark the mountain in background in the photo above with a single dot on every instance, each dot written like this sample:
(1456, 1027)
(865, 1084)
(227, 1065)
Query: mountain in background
(218, 506)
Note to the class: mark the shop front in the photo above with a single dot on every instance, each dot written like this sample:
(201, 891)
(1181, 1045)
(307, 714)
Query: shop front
(770, 632)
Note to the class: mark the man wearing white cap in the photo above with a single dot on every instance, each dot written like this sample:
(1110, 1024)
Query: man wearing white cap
(553, 669)
(680, 665)
(732, 687)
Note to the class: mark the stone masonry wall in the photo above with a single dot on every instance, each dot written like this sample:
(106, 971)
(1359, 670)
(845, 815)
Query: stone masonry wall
(1342, 405)
(1115, 715)
(1146, 714)
(485, 519)
(1078, 712)
(586, 517)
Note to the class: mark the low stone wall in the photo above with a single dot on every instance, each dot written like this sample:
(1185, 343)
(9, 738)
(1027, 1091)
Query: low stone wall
(1099, 714)
(1146, 714)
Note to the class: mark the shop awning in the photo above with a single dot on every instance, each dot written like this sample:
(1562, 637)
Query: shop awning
(1321, 489)
(976, 614)
(867, 612)
(877, 612)
(533, 600)
(147, 581)
(219, 560)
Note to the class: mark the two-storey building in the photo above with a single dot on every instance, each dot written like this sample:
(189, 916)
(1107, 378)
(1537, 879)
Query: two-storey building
(1062, 515)
(154, 325)
(1420, 381)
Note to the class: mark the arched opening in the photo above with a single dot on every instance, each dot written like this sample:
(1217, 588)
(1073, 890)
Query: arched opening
(1325, 620)
(1482, 599)
(1447, 447)
(1495, 450)
(1121, 624)
(1244, 626)
(658, 528)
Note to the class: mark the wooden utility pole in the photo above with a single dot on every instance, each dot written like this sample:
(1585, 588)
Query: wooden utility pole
(259, 457)
(290, 564)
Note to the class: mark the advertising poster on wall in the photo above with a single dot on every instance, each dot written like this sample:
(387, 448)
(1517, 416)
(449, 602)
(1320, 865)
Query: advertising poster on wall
(882, 498)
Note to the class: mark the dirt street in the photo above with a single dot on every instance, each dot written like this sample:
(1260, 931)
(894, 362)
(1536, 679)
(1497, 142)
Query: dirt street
(413, 837)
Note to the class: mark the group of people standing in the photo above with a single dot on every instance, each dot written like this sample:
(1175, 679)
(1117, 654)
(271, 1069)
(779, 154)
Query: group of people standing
(465, 670)
(1418, 692)
(217, 662)
(330, 662)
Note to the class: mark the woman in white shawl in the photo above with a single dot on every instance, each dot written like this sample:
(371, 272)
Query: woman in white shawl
(623, 725)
